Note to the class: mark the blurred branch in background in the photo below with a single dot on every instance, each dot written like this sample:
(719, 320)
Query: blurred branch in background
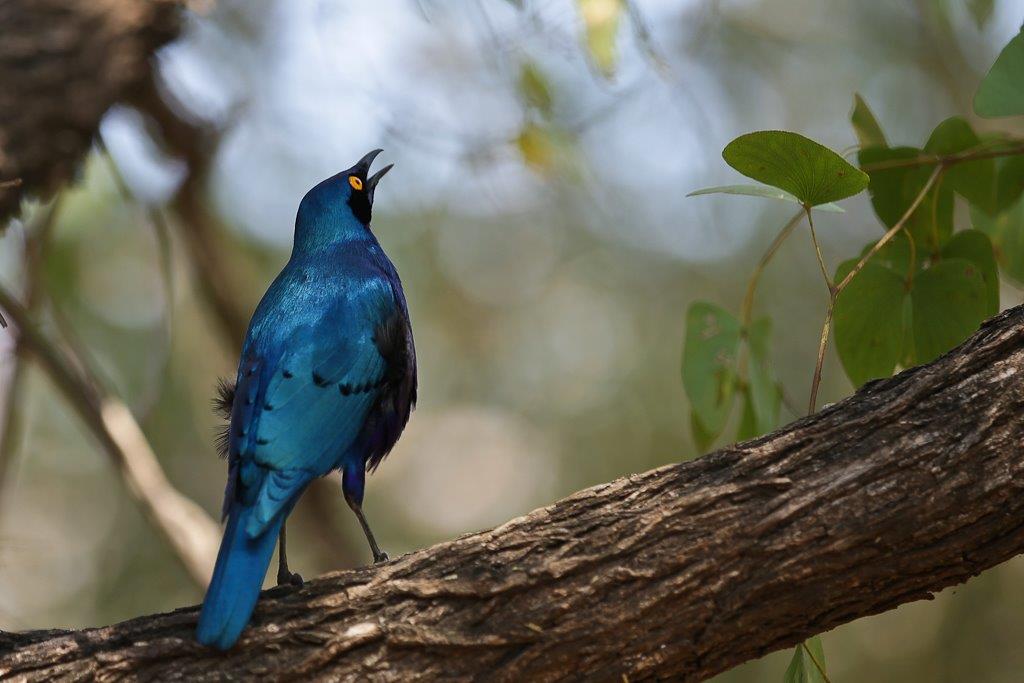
(162, 234)
(199, 230)
(37, 238)
(191, 532)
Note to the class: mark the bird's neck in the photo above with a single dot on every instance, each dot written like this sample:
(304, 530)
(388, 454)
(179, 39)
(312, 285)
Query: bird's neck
(330, 233)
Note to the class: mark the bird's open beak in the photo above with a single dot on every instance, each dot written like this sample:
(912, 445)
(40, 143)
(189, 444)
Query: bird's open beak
(375, 178)
(362, 168)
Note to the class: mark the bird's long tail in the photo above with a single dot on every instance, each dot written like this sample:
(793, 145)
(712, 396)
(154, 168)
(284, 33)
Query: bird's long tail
(237, 579)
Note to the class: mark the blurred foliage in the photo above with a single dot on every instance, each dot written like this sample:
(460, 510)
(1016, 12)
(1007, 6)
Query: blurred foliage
(536, 214)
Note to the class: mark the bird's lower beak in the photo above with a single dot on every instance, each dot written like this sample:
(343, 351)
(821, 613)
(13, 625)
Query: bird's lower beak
(375, 178)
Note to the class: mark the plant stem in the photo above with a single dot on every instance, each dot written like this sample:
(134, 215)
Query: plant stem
(892, 231)
(746, 311)
(822, 345)
(817, 251)
(836, 290)
(944, 160)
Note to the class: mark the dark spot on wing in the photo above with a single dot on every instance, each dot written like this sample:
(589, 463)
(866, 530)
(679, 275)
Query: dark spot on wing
(319, 380)
(392, 406)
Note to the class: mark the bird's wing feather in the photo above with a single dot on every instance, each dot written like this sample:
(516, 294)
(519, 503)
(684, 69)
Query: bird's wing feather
(298, 411)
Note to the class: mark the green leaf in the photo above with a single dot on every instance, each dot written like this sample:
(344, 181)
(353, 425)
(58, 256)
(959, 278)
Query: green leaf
(802, 668)
(702, 437)
(762, 191)
(601, 26)
(894, 254)
(748, 420)
(810, 171)
(974, 180)
(869, 133)
(869, 321)
(976, 247)
(948, 305)
(894, 189)
(1001, 92)
(1009, 182)
(709, 363)
(1007, 234)
(534, 88)
(764, 392)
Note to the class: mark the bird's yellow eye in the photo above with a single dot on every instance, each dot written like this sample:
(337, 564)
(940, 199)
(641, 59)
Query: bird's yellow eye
(355, 182)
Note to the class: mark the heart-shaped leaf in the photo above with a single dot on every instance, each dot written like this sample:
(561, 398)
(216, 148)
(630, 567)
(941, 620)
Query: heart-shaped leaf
(811, 172)
(948, 305)
(1007, 234)
(974, 180)
(709, 363)
(1001, 92)
(894, 188)
(976, 247)
(870, 321)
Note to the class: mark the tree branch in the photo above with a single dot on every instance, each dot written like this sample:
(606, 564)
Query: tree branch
(62, 65)
(190, 531)
(911, 485)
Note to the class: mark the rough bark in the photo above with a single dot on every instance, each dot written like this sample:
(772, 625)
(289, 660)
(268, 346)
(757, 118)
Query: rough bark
(63, 63)
(912, 485)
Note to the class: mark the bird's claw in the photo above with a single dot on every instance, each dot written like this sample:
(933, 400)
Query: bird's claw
(289, 579)
(381, 557)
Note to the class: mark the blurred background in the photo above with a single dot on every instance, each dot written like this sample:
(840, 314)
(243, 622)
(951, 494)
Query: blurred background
(538, 217)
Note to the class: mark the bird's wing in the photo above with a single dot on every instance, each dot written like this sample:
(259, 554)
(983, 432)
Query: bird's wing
(296, 414)
(397, 398)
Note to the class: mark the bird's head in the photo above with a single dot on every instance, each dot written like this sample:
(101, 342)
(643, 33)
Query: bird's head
(340, 206)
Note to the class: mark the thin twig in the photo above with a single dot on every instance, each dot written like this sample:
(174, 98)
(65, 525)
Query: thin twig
(892, 231)
(943, 160)
(836, 290)
(746, 311)
(162, 235)
(14, 182)
(817, 252)
(822, 346)
(37, 239)
(189, 530)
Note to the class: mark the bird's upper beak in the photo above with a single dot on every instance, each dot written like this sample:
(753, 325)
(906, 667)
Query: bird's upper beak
(362, 168)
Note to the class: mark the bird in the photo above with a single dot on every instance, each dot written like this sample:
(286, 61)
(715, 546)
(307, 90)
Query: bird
(326, 381)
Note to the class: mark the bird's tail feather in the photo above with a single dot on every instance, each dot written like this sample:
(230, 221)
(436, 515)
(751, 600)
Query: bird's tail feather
(237, 579)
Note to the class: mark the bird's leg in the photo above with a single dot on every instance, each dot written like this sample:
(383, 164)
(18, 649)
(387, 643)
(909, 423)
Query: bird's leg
(378, 554)
(285, 577)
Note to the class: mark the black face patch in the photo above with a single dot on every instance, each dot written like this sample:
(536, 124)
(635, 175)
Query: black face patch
(360, 201)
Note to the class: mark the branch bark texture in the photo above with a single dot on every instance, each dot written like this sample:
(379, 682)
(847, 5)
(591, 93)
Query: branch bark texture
(913, 484)
(63, 63)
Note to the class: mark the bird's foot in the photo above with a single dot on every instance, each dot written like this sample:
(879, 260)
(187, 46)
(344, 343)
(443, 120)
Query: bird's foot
(287, 578)
(380, 557)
